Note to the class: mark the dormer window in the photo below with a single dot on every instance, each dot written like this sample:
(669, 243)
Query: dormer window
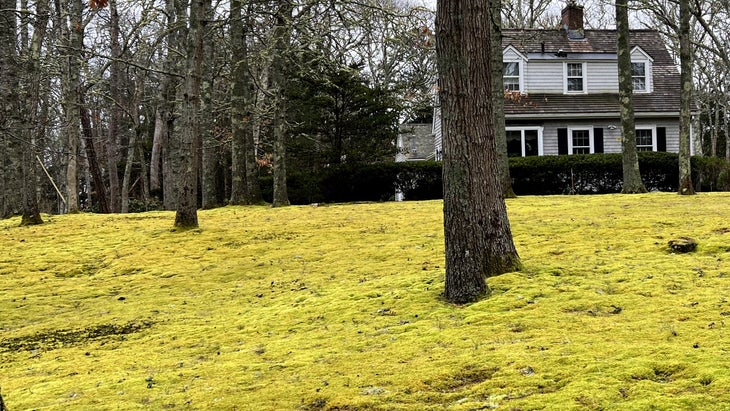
(638, 76)
(575, 81)
(511, 77)
(641, 67)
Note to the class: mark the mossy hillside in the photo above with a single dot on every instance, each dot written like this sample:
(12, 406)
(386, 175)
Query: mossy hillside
(338, 307)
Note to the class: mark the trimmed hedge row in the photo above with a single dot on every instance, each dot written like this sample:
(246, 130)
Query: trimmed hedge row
(574, 174)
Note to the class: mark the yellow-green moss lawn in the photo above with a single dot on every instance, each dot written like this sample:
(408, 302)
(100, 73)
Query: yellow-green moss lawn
(338, 308)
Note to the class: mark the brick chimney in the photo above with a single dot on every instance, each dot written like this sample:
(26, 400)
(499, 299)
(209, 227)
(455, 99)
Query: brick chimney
(572, 16)
(573, 20)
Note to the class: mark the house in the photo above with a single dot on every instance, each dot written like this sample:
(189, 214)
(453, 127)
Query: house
(561, 91)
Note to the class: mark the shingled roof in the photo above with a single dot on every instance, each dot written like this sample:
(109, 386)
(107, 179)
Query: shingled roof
(664, 98)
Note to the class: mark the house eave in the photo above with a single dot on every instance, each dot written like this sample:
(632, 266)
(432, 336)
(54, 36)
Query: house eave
(658, 114)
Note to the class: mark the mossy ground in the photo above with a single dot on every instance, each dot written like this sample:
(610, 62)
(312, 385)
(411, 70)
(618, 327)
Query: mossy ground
(338, 308)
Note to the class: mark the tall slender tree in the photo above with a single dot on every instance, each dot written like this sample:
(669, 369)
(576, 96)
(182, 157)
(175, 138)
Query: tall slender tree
(188, 139)
(10, 141)
(685, 112)
(630, 159)
(244, 183)
(30, 127)
(282, 40)
(476, 228)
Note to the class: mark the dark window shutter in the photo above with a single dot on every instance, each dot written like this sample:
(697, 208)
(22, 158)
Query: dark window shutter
(562, 141)
(661, 139)
(598, 140)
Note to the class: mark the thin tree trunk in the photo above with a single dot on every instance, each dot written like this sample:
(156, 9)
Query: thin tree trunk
(115, 117)
(144, 174)
(91, 158)
(156, 155)
(244, 182)
(282, 37)
(685, 62)
(500, 132)
(186, 215)
(74, 50)
(632, 183)
(31, 212)
(476, 229)
(128, 170)
(727, 133)
(209, 150)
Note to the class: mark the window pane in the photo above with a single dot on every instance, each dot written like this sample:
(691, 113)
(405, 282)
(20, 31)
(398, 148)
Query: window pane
(512, 84)
(639, 83)
(638, 69)
(644, 140)
(511, 69)
(581, 142)
(514, 143)
(575, 70)
(575, 84)
(531, 143)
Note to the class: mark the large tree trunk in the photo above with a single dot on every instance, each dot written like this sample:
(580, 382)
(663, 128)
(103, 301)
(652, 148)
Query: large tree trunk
(186, 215)
(685, 62)
(630, 159)
(10, 146)
(477, 232)
(282, 37)
(500, 132)
(244, 182)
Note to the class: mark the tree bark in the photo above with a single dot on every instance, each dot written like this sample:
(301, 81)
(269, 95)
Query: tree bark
(186, 215)
(685, 62)
(477, 232)
(176, 11)
(96, 175)
(500, 131)
(244, 182)
(210, 147)
(74, 39)
(156, 155)
(10, 102)
(282, 37)
(632, 183)
(115, 116)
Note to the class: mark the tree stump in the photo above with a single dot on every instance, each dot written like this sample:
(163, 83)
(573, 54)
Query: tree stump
(683, 245)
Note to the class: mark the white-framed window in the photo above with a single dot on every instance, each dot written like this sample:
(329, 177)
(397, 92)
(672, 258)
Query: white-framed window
(638, 76)
(641, 70)
(512, 76)
(524, 141)
(580, 140)
(575, 77)
(646, 138)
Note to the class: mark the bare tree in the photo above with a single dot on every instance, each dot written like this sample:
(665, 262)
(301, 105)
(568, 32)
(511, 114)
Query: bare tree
(477, 232)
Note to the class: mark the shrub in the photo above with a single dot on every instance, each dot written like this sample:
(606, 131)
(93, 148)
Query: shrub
(421, 180)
